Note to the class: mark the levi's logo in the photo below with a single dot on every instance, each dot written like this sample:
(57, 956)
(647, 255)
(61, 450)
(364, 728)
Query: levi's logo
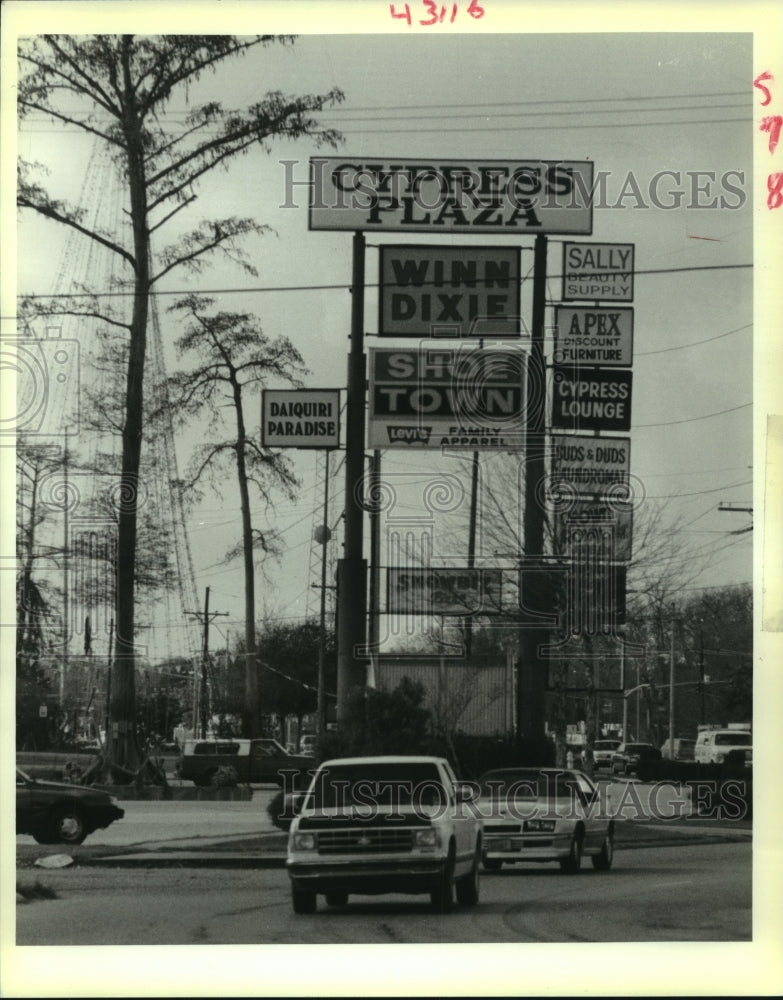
(412, 435)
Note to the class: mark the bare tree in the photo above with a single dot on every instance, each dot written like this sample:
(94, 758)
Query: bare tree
(235, 358)
(116, 88)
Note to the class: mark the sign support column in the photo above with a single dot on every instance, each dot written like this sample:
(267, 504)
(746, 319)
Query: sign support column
(531, 671)
(352, 568)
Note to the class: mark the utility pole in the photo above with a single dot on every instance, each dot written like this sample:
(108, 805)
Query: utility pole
(531, 671)
(671, 690)
(352, 568)
(324, 539)
(205, 618)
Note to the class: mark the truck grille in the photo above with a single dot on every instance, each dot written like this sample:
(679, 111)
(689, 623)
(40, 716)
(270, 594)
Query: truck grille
(366, 841)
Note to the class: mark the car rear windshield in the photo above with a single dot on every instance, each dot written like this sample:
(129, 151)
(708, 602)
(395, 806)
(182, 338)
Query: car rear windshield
(371, 785)
(733, 739)
(525, 784)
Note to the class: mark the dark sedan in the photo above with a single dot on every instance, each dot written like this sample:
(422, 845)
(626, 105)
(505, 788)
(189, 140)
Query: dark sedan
(56, 813)
(629, 757)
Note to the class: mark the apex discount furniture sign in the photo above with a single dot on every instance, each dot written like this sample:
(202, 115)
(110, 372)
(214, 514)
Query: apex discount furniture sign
(431, 291)
(594, 335)
(508, 197)
(440, 397)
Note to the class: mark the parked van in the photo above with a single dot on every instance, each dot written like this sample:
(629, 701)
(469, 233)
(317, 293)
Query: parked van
(712, 745)
(683, 749)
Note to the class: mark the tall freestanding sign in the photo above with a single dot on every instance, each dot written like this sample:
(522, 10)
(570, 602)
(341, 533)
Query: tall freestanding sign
(442, 198)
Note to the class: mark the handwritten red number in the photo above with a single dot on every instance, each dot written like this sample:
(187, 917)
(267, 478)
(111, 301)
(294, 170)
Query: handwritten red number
(406, 13)
(432, 7)
(758, 83)
(474, 10)
(775, 188)
(772, 124)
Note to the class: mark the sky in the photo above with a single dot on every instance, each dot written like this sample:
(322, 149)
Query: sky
(667, 122)
(551, 83)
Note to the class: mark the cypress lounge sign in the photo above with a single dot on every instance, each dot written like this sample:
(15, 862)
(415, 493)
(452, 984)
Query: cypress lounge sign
(591, 399)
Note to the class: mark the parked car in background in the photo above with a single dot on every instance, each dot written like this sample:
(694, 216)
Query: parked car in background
(260, 761)
(712, 745)
(543, 814)
(683, 749)
(374, 825)
(602, 753)
(57, 813)
(628, 757)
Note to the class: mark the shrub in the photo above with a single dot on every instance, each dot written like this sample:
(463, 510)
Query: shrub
(225, 777)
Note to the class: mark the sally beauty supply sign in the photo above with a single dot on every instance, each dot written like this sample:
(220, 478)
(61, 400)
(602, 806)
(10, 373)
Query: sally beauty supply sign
(502, 197)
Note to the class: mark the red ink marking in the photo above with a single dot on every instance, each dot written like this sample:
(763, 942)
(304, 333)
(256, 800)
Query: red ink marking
(772, 124)
(775, 188)
(406, 13)
(475, 10)
(432, 7)
(757, 83)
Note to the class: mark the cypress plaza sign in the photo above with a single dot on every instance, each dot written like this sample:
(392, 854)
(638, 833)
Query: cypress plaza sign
(509, 197)
(449, 291)
(594, 335)
(598, 271)
(443, 591)
(300, 418)
(441, 397)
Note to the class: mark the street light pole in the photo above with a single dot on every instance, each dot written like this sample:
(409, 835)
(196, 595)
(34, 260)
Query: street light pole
(671, 692)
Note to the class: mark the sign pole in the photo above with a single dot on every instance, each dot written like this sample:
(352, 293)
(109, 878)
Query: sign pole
(531, 671)
(352, 568)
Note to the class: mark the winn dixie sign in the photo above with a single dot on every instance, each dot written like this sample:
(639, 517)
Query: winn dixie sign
(431, 291)
(509, 197)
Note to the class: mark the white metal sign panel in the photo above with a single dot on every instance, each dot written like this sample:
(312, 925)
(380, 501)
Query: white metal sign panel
(594, 335)
(300, 418)
(446, 398)
(445, 291)
(611, 525)
(598, 271)
(590, 465)
(508, 197)
(443, 591)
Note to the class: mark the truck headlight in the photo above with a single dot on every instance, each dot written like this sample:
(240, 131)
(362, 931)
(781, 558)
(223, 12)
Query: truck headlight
(427, 838)
(542, 825)
(304, 842)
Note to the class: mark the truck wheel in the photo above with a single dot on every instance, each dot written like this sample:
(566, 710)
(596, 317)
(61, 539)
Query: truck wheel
(336, 898)
(468, 885)
(442, 896)
(303, 900)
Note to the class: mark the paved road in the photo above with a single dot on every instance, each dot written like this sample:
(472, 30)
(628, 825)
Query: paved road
(687, 893)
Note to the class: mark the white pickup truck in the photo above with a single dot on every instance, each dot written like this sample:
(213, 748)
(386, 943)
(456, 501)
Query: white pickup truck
(373, 825)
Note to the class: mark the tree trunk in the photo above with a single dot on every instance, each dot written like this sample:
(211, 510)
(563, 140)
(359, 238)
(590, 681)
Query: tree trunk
(251, 712)
(121, 742)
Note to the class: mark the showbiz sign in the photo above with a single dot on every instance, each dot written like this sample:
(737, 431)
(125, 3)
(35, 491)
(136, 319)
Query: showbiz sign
(508, 197)
(444, 398)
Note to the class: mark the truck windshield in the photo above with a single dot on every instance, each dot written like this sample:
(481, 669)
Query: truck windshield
(371, 785)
